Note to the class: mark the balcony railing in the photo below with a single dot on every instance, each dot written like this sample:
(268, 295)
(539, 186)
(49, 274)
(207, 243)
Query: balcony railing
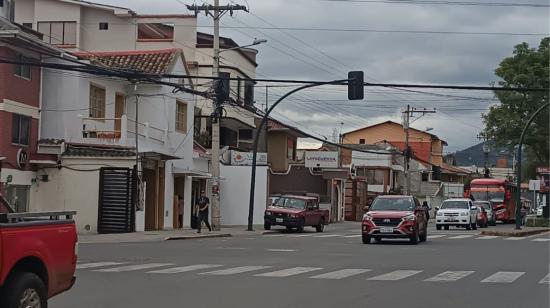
(117, 130)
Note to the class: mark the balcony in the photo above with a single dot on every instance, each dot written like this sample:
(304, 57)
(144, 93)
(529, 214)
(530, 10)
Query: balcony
(120, 131)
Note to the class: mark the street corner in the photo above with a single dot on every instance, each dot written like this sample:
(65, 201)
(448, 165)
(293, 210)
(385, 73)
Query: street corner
(515, 233)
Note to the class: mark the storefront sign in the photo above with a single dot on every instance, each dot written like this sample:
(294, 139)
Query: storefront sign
(321, 159)
(534, 185)
(245, 158)
(541, 170)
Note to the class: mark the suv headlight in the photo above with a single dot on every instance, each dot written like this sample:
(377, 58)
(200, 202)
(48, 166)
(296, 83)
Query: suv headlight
(464, 214)
(439, 214)
(367, 217)
(409, 217)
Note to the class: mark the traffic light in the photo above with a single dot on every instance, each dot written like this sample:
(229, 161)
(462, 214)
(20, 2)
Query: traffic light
(356, 85)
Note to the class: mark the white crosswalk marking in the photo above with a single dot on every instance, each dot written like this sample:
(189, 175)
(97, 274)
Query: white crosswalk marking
(280, 250)
(486, 237)
(301, 235)
(97, 264)
(395, 275)
(129, 268)
(503, 277)
(546, 279)
(355, 235)
(514, 238)
(274, 235)
(182, 269)
(342, 273)
(328, 235)
(436, 236)
(461, 236)
(237, 270)
(450, 276)
(289, 272)
(542, 239)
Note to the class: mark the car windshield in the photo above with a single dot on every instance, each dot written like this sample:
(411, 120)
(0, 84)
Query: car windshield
(290, 203)
(463, 205)
(488, 195)
(392, 204)
(485, 205)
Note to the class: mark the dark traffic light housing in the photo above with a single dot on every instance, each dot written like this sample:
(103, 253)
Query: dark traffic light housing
(356, 85)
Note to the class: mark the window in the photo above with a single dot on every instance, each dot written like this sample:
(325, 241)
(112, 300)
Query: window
(245, 134)
(361, 141)
(156, 31)
(249, 92)
(425, 176)
(58, 32)
(97, 102)
(181, 116)
(20, 129)
(103, 26)
(1, 3)
(375, 176)
(22, 70)
(290, 148)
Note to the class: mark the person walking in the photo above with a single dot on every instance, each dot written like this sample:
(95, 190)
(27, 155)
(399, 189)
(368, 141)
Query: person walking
(180, 211)
(427, 208)
(202, 211)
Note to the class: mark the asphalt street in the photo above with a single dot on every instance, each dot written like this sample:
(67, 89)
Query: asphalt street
(454, 268)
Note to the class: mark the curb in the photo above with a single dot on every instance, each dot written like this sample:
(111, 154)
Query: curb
(194, 237)
(515, 233)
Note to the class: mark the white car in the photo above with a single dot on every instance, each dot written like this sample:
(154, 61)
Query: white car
(456, 212)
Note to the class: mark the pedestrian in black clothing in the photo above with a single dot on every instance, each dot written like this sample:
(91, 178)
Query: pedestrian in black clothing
(202, 211)
(427, 209)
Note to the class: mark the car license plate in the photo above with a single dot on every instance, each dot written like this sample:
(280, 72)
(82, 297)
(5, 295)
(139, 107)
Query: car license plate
(386, 230)
(451, 219)
(278, 220)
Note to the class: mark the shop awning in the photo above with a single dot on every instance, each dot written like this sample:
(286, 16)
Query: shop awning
(191, 172)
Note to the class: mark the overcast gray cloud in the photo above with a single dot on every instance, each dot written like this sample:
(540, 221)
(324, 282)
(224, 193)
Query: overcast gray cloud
(387, 57)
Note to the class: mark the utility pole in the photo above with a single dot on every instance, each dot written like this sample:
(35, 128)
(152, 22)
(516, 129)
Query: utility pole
(486, 151)
(407, 114)
(216, 12)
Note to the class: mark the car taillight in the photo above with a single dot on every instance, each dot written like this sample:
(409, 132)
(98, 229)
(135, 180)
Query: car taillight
(75, 255)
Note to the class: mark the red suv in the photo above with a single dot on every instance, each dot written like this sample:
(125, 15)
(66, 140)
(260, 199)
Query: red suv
(393, 216)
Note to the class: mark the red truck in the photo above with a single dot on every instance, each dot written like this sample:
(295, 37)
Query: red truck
(296, 212)
(38, 253)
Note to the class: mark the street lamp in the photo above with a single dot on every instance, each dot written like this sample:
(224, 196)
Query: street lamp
(254, 43)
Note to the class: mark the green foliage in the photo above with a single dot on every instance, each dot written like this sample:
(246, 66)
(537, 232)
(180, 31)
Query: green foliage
(529, 68)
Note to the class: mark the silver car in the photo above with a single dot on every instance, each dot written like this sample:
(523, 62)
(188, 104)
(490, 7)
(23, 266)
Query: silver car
(491, 215)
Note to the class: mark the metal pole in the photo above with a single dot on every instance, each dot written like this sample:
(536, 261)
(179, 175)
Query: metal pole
(518, 187)
(407, 157)
(255, 146)
(216, 120)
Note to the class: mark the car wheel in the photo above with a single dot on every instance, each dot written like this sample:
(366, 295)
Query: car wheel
(415, 238)
(321, 226)
(366, 239)
(267, 226)
(24, 290)
(438, 227)
(300, 228)
(446, 227)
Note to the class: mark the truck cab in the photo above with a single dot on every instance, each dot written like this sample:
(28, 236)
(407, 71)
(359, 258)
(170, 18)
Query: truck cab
(296, 212)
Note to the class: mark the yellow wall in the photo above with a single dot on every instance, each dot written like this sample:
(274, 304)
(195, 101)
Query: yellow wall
(437, 152)
(386, 131)
(277, 151)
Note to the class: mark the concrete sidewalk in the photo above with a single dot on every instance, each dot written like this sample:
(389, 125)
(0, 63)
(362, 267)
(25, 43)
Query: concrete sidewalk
(510, 230)
(166, 235)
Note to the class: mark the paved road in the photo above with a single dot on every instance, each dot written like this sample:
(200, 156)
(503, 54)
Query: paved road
(455, 268)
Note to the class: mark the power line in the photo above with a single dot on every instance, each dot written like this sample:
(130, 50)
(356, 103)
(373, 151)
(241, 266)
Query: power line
(437, 2)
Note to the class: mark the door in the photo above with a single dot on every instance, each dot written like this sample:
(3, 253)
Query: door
(149, 177)
(312, 214)
(116, 213)
(119, 111)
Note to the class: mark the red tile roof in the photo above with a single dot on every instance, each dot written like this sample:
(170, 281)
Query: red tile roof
(147, 61)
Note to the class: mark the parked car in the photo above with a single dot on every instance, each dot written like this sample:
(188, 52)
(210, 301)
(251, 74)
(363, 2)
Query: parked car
(491, 214)
(394, 216)
(38, 253)
(272, 199)
(482, 218)
(459, 212)
(296, 212)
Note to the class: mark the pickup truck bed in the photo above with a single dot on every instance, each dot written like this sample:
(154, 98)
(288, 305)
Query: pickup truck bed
(38, 252)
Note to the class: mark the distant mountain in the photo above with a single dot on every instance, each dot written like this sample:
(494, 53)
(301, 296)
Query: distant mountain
(474, 155)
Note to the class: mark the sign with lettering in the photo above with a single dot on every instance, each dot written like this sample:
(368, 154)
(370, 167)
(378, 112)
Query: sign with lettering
(22, 158)
(321, 159)
(245, 158)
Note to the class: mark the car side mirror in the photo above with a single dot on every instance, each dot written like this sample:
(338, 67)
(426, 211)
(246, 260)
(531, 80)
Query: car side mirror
(437, 208)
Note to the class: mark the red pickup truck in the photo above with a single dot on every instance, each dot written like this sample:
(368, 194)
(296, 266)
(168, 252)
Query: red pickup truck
(296, 212)
(38, 253)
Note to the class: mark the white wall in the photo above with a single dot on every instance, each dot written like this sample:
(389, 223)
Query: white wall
(70, 190)
(121, 34)
(235, 190)
(370, 159)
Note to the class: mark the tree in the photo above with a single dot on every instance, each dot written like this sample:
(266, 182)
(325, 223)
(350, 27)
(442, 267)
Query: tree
(528, 67)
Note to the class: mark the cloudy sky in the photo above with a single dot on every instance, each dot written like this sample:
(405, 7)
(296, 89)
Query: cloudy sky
(391, 53)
